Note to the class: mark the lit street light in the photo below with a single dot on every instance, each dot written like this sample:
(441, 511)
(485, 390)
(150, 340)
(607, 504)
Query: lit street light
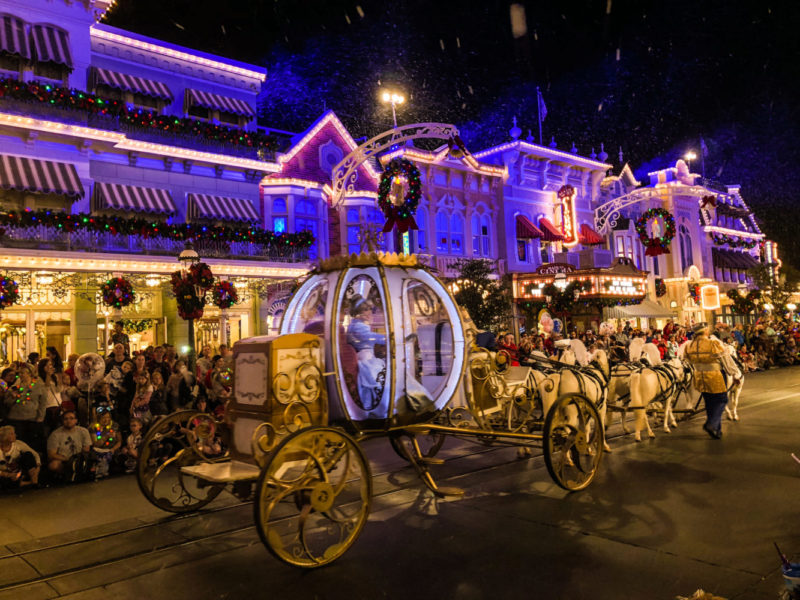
(690, 156)
(394, 98)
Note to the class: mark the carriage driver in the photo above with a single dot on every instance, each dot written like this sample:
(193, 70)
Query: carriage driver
(708, 358)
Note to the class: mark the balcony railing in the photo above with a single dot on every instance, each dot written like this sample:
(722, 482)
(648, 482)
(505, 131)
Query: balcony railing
(115, 123)
(48, 238)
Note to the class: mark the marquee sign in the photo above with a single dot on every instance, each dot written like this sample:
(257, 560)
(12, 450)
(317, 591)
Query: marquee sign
(566, 208)
(554, 268)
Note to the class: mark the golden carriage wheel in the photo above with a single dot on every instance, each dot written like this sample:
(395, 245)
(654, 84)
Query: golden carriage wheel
(313, 497)
(430, 442)
(573, 441)
(173, 442)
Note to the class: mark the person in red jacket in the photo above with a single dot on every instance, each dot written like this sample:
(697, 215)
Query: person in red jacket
(511, 348)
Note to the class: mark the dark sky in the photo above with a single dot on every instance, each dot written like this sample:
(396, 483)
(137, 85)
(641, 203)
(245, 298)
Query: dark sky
(649, 76)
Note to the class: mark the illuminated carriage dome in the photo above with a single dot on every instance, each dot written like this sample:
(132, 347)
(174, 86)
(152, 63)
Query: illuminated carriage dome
(393, 339)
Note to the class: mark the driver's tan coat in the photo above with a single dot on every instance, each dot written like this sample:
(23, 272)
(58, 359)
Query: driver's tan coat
(705, 353)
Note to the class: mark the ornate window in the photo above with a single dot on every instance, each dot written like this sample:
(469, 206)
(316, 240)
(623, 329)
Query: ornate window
(422, 223)
(442, 233)
(685, 243)
(456, 234)
(279, 215)
(359, 217)
(305, 217)
(481, 225)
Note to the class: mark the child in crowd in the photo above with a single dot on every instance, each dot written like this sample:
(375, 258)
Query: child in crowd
(133, 445)
(105, 442)
(158, 400)
(140, 407)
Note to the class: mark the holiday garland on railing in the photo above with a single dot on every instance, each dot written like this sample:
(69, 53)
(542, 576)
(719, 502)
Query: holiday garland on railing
(73, 99)
(744, 304)
(117, 293)
(661, 287)
(148, 228)
(136, 325)
(224, 295)
(9, 292)
(658, 244)
(733, 242)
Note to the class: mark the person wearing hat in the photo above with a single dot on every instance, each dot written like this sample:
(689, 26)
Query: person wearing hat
(707, 356)
(361, 337)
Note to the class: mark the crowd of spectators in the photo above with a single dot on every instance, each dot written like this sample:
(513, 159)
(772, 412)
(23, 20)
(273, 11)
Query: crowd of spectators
(54, 428)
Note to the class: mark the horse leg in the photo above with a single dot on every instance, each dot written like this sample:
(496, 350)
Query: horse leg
(636, 406)
(734, 401)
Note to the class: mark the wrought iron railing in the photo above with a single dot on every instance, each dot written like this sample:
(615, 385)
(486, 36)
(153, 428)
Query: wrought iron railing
(48, 238)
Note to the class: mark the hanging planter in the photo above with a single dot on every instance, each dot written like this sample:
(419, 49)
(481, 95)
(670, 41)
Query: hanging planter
(117, 293)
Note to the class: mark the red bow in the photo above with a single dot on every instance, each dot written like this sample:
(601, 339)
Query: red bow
(403, 223)
(708, 202)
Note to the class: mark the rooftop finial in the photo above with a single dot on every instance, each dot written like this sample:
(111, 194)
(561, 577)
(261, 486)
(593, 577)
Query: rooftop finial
(553, 142)
(603, 156)
(529, 139)
(620, 155)
(515, 131)
(593, 155)
(574, 149)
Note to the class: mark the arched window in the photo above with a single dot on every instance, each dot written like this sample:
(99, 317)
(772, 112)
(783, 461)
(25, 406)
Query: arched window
(305, 218)
(456, 234)
(486, 228)
(480, 235)
(422, 223)
(279, 215)
(359, 217)
(442, 232)
(685, 243)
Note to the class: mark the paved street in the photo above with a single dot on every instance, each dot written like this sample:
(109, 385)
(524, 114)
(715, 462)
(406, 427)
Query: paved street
(664, 517)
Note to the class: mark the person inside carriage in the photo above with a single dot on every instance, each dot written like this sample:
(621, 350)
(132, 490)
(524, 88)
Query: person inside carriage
(361, 337)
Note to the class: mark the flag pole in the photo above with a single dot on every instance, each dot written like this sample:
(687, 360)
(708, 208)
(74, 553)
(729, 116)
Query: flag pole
(539, 112)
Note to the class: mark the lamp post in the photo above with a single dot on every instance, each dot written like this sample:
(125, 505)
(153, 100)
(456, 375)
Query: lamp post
(394, 98)
(690, 156)
(186, 259)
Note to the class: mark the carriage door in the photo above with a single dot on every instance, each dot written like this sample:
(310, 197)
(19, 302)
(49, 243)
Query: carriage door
(363, 362)
(428, 347)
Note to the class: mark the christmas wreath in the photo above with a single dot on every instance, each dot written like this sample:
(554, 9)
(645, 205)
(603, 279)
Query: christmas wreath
(200, 275)
(657, 244)
(224, 295)
(398, 208)
(694, 292)
(190, 305)
(117, 292)
(661, 287)
(9, 292)
(744, 304)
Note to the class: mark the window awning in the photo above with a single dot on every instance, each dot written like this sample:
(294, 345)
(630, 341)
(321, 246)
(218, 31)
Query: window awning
(223, 103)
(131, 83)
(132, 198)
(35, 175)
(12, 36)
(51, 44)
(550, 232)
(730, 259)
(645, 309)
(527, 230)
(205, 206)
(588, 236)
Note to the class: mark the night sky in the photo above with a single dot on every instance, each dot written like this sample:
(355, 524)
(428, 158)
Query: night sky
(651, 77)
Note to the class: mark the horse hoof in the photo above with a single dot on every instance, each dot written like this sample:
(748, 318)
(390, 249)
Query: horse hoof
(666, 430)
(637, 438)
(606, 447)
(651, 435)
(735, 417)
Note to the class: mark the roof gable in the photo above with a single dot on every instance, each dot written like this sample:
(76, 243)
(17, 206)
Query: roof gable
(318, 149)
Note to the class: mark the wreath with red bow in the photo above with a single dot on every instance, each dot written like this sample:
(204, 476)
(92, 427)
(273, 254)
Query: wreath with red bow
(401, 214)
(117, 293)
(224, 295)
(656, 245)
(9, 292)
(185, 287)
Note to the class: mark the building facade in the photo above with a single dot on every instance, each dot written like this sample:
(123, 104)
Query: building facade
(140, 141)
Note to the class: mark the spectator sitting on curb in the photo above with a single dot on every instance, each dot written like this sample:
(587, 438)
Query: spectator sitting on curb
(19, 463)
(68, 449)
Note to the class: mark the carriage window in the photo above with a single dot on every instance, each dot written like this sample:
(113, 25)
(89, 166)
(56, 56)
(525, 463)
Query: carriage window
(311, 312)
(362, 349)
(428, 347)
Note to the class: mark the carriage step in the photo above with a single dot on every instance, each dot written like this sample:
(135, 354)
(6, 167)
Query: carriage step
(223, 472)
(448, 491)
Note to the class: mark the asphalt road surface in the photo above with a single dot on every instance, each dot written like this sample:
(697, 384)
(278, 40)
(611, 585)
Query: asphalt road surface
(663, 518)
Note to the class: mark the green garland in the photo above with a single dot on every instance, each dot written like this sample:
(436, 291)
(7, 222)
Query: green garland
(659, 245)
(78, 100)
(733, 242)
(744, 304)
(148, 228)
(136, 325)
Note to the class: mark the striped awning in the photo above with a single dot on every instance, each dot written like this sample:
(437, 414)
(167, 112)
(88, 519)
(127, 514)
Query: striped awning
(131, 83)
(550, 232)
(588, 236)
(645, 309)
(12, 36)
(222, 103)
(731, 259)
(527, 230)
(205, 206)
(117, 196)
(51, 44)
(35, 175)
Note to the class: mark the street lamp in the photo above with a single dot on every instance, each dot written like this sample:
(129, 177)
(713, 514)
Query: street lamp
(187, 258)
(394, 98)
(690, 156)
